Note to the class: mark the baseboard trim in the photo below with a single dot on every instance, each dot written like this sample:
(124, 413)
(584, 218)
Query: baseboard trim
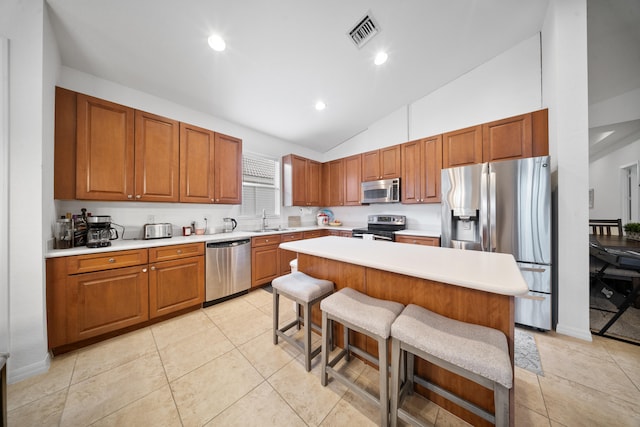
(583, 334)
(15, 375)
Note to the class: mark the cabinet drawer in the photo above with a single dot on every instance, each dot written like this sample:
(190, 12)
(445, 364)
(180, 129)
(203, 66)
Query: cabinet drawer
(290, 237)
(419, 240)
(106, 261)
(314, 233)
(167, 253)
(271, 239)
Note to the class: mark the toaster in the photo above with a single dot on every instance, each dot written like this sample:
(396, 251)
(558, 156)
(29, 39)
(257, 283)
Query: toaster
(158, 231)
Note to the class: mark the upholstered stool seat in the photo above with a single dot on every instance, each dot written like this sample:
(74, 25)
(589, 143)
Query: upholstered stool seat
(370, 316)
(305, 291)
(476, 352)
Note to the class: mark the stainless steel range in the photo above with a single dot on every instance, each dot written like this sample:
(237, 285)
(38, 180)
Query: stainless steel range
(381, 227)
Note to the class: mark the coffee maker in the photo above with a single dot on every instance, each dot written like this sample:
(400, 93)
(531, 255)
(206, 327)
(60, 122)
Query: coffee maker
(99, 232)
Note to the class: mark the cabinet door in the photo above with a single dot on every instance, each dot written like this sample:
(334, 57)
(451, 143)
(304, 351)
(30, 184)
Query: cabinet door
(228, 169)
(507, 139)
(462, 147)
(432, 166)
(265, 264)
(352, 180)
(106, 301)
(418, 240)
(410, 187)
(174, 285)
(390, 162)
(371, 165)
(157, 158)
(196, 164)
(64, 153)
(299, 181)
(314, 183)
(335, 182)
(105, 150)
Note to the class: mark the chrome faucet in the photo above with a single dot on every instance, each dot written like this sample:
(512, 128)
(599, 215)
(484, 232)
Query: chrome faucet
(264, 219)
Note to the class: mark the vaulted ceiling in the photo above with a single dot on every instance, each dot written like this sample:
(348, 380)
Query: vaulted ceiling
(284, 55)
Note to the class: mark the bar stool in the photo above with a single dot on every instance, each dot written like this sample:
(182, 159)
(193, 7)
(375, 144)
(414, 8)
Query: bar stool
(305, 291)
(370, 316)
(476, 352)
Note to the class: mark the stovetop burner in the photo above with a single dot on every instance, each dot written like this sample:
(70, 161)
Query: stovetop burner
(382, 227)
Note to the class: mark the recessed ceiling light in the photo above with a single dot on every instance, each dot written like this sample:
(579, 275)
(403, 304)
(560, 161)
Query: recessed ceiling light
(381, 58)
(320, 105)
(216, 43)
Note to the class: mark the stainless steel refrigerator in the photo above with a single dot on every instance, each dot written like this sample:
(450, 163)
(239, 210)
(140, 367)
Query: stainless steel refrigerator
(505, 207)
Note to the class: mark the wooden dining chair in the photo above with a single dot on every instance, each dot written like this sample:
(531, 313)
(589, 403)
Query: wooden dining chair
(604, 226)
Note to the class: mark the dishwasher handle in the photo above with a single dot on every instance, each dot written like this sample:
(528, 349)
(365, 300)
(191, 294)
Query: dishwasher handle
(228, 244)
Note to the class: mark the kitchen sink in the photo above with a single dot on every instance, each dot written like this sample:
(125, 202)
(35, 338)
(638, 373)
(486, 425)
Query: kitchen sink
(272, 229)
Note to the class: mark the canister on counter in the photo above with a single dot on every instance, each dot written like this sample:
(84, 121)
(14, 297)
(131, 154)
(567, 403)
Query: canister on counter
(64, 233)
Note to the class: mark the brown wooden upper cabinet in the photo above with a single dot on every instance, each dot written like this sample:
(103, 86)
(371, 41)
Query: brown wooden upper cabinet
(421, 166)
(210, 166)
(301, 181)
(462, 147)
(381, 164)
(125, 154)
(334, 182)
(107, 151)
(157, 158)
(517, 137)
(197, 148)
(352, 179)
(507, 139)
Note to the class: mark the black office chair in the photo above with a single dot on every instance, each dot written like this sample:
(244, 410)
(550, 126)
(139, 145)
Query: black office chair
(604, 226)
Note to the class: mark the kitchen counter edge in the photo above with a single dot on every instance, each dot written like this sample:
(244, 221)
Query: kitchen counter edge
(485, 271)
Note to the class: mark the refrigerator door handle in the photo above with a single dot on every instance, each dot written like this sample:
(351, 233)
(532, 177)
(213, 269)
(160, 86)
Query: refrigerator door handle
(492, 212)
(484, 214)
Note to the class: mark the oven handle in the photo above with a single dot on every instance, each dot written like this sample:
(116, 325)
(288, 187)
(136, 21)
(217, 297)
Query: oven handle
(357, 235)
(376, 237)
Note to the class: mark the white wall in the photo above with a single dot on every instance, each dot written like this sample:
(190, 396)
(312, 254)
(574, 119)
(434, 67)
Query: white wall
(565, 89)
(22, 23)
(604, 178)
(507, 85)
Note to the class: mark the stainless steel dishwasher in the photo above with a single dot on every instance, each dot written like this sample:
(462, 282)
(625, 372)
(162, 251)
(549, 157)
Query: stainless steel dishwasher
(228, 269)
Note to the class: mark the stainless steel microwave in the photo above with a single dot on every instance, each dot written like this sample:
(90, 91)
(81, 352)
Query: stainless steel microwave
(381, 191)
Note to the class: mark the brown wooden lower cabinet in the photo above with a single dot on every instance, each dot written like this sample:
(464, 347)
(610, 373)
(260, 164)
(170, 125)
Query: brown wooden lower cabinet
(96, 294)
(106, 301)
(418, 240)
(265, 259)
(457, 302)
(174, 285)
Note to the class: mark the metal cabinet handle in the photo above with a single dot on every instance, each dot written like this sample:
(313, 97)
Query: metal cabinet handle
(129, 196)
(112, 260)
(138, 196)
(144, 270)
(179, 251)
(153, 268)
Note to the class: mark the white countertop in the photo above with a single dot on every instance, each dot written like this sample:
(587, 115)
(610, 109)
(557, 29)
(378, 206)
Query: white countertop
(123, 245)
(484, 271)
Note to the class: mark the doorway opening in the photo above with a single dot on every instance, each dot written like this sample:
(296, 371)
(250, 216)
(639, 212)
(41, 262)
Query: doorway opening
(630, 193)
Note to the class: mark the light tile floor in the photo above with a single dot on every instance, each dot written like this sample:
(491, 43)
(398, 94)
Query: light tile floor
(218, 367)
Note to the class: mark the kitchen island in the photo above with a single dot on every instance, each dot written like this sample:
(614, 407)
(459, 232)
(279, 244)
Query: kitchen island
(470, 286)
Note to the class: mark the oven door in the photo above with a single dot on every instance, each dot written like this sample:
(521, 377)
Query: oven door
(369, 235)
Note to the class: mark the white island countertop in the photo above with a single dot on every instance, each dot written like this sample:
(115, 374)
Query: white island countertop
(484, 271)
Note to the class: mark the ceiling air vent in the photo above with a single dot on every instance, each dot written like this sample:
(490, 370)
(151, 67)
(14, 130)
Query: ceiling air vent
(363, 31)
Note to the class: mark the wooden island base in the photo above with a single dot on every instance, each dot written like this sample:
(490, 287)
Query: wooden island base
(456, 302)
